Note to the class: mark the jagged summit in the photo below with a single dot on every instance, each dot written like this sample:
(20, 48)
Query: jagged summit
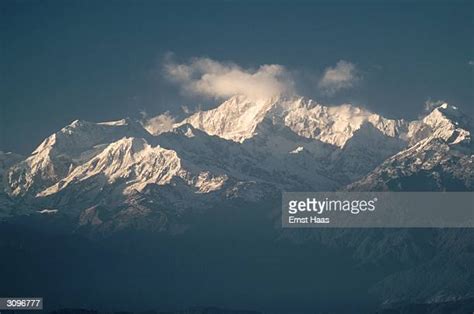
(440, 157)
(449, 123)
(241, 149)
(336, 124)
(116, 176)
(129, 159)
(238, 118)
(235, 119)
(72, 145)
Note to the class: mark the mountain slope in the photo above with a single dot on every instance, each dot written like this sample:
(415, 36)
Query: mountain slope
(114, 177)
(59, 153)
(130, 160)
(443, 160)
(6, 161)
(337, 124)
(244, 149)
(237, 119)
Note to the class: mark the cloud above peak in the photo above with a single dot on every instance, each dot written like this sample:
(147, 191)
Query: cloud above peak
(158, 124)
(342, 76)
(211, 78)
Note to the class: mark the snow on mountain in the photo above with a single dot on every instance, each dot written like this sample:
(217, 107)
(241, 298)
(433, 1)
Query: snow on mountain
(335, 125)
(235, 119)
(449, 124)
(128, 167)
(297, 150)
(264, 158)
(57, 155)
(6, 161)
(238, 118)
(364, 150)
(130, 160)
(240, 149)
(246, 121)
(442, 160)
(115, 175)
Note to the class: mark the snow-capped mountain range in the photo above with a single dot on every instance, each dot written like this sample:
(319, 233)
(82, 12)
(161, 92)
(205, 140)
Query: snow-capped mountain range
(241, 150)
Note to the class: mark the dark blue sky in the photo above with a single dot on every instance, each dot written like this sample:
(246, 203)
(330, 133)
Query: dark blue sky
(102, 60)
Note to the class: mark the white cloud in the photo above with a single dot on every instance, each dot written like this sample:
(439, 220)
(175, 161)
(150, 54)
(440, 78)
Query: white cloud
(342, 76)
(186, 109)
(159, 124)
(207, 77)
(471, 63)
(432, 104)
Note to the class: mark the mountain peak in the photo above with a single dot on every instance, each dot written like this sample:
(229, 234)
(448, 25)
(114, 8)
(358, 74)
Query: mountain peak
(449, 123)
(454, 114)
(446, 111)
(276, 143)
(75, 143)
(335, 125)
(132, 160)
(235, 119)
